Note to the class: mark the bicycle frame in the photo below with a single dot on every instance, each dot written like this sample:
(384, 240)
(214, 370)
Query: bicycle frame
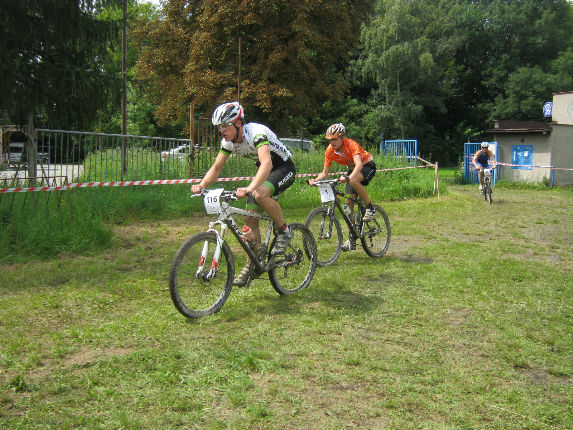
(225, 220)
(356, 232)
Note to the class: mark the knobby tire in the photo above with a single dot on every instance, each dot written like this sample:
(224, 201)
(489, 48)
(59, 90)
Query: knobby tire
(294, 269)
(376, 234)
(193, 296)
(321, 224)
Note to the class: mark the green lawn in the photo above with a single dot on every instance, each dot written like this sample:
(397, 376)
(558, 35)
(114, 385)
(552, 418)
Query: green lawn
(467, 322)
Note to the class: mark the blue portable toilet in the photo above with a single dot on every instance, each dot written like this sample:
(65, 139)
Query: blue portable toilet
(470, 174)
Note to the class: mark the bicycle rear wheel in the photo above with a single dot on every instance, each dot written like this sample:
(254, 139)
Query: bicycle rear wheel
(295, 268)
(197, 293)
(376, 234)
(327, 234)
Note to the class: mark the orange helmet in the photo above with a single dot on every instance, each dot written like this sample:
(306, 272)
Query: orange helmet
(335, 130)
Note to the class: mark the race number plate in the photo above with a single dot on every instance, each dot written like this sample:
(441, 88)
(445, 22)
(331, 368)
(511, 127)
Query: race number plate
(213, 201)
(326, 193)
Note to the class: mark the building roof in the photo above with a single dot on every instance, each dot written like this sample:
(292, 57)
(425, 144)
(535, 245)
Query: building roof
(511, 127)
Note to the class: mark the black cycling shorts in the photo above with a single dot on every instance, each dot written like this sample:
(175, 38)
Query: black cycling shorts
(368, 171)
(280, 178)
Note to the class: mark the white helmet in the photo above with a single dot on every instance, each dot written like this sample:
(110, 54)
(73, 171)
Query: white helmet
(335, 130)
(485, 145)
(227, 113)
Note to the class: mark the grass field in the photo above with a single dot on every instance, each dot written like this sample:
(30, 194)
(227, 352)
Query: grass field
(467, 322)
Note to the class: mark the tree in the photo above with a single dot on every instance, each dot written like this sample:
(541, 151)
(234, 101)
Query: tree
(501, 40)
(407, 59)
(440, 70)
(52, 60)
(291, 55)
(140, 109)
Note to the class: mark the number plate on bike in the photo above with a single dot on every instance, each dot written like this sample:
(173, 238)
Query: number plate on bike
(326, 193)
(213, 201)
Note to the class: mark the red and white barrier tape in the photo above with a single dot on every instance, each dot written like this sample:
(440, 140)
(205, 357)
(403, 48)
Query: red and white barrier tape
(159, 182)
(530, 165)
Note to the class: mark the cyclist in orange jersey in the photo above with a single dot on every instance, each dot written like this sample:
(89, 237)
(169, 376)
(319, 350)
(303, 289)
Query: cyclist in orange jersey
(361, 170)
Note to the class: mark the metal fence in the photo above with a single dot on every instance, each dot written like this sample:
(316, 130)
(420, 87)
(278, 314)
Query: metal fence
(77, 156)
(407, 148)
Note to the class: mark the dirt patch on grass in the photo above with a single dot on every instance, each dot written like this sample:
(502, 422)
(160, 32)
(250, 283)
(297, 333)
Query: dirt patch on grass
(85, 357)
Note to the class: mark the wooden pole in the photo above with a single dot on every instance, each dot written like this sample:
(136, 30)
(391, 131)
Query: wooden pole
(239, 75)
(124, 90)
(191, 134)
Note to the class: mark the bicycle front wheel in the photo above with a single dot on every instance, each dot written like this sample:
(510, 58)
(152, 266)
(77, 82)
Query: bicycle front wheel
(484, 190)
(376, 234)
(489, 191)
(327, 233)
(199, 286)
(294, 269)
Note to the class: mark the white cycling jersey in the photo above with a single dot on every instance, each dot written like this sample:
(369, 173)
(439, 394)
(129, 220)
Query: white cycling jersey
(255, 135)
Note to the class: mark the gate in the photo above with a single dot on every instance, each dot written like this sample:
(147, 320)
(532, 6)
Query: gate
(470, 174)
(401, 149)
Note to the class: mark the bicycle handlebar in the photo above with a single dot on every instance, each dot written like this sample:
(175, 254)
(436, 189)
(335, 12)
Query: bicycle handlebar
(225, 195)
(327, 181)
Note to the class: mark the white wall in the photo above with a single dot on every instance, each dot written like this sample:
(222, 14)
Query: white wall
(562, 140)
(541, 156)
(562, 108)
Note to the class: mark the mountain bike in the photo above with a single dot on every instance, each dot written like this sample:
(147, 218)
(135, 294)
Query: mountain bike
(374, 235)
(202, 271)
(486, 190)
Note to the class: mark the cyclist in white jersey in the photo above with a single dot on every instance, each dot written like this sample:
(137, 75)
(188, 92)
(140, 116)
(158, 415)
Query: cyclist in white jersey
(275, 172)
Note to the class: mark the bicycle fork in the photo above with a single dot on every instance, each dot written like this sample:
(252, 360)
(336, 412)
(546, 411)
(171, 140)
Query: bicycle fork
(212, 272)
(328, 233)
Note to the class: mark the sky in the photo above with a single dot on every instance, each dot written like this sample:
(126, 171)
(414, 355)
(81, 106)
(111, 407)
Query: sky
(155, 2)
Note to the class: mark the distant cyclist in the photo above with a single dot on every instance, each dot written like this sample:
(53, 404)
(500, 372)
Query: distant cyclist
(481, 161)
(275, 172)
(361, 170)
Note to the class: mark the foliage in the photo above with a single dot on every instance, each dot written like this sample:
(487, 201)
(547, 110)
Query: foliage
(44, 226)
(81, 221)
(440, 71)
(544, 184)
(53, 61)
(434, 70)
(141, 120)
(290, 51)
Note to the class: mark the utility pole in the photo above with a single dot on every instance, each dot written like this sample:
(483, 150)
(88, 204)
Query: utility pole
(239, 75)
(124, 90)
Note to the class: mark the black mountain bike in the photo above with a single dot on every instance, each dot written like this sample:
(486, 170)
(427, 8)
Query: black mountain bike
(202, 272)
(374, 235)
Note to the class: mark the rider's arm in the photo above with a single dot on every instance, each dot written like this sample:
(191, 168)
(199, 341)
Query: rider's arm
(474, 159)
(264, 170)
(357, 158)
(322, 175)
(213, 173)
(492, 158)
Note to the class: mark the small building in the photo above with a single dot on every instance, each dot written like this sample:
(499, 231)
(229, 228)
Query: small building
(538, 150)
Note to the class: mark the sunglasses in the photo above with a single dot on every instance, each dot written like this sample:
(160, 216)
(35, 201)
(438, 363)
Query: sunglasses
(222, 127)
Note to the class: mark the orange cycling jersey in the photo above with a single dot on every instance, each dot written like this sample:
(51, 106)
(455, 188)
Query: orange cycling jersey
(345, 156)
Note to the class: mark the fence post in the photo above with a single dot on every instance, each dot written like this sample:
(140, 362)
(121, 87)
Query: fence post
(192, 143)
(436, 179)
